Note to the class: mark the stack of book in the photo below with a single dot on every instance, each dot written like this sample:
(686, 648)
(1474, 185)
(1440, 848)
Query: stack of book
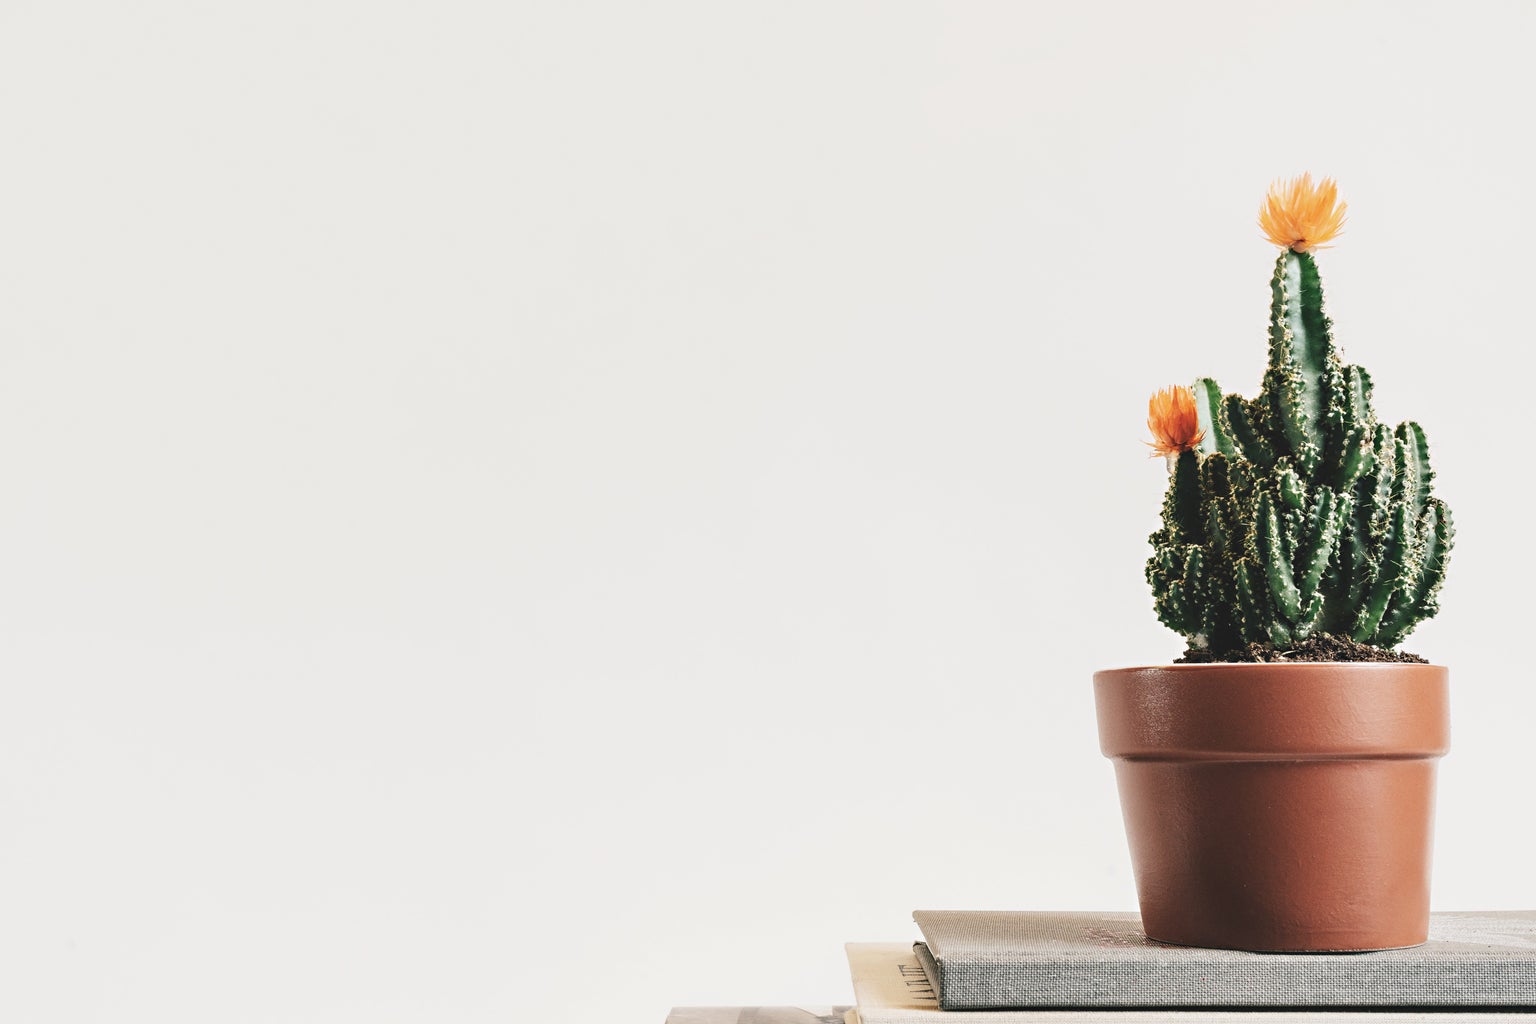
(1098, 968)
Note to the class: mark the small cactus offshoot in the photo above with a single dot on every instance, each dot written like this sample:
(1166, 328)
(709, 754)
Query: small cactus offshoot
(1294, 513)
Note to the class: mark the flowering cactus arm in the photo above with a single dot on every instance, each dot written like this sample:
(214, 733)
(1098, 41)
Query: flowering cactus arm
(1301, 344)
(1182, 506)
(1299, 216)
(1176, 566)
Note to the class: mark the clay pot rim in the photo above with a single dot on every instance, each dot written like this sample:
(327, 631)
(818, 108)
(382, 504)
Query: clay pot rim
(1283, 666)
(1319, 710)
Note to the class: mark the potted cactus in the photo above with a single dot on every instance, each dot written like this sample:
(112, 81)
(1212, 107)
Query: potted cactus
(1278, 784)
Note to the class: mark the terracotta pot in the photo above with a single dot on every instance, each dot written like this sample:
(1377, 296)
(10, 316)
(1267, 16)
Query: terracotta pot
(1283, 807)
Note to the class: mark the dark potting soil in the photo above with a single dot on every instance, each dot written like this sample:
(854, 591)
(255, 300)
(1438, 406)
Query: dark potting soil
(1318, 647)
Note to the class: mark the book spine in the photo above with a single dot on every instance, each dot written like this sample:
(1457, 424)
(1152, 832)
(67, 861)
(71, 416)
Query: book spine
(903, 1015)
(1338, 982)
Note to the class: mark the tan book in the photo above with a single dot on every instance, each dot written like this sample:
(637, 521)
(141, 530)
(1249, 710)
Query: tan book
(758, 1015)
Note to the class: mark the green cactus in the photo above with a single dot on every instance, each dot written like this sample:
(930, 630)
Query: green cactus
(1297, 513)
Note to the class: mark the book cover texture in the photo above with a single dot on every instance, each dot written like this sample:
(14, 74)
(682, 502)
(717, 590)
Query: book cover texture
(1017, 959)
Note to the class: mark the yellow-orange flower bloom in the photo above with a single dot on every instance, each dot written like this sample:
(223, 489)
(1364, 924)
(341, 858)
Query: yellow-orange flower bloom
(1174, 423)
(1302, 216)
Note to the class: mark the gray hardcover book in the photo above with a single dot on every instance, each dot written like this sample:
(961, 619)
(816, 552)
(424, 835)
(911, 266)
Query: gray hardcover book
(890, 988)
(1022, 959)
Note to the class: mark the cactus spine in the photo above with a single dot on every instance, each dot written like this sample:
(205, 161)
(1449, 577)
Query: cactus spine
(1297, 512)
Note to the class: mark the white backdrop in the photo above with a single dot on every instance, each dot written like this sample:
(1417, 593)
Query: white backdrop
(504, 507)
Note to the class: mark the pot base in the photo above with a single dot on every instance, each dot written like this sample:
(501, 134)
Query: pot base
(1294, 856)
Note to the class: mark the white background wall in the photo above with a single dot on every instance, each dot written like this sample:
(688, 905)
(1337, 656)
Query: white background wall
(543, 512)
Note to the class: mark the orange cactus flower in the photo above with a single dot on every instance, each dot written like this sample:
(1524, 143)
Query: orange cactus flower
(1174, 423)
(1302, 216)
